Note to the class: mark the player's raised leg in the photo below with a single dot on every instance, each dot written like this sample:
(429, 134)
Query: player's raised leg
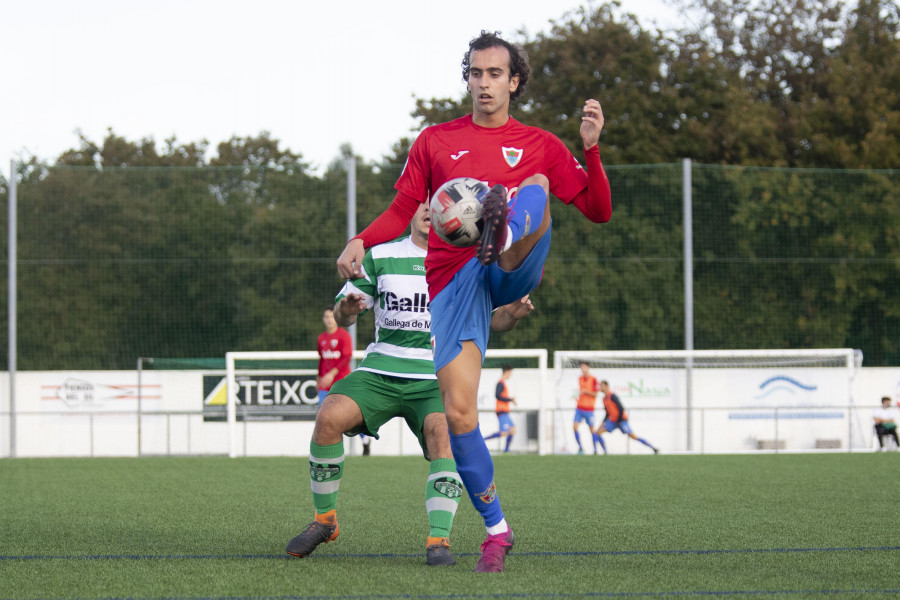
(326, 468)
(512, 229)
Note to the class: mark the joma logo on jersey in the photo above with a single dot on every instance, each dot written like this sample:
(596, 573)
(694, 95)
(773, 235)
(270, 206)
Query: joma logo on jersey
(448, 487)
(321, 472)
(418, 303)
(331, 353)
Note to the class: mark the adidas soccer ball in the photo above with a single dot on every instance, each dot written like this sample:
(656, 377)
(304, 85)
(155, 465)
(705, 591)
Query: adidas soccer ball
(456, 210)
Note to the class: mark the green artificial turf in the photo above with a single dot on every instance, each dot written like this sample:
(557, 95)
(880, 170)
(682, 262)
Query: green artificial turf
(787, 525)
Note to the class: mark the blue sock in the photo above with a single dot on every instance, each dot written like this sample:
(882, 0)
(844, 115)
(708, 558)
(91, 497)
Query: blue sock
(492, 436)
(527, 211)
(476, 469)
(645, 442)
(599, 438)
(508, 442)
(578, 439)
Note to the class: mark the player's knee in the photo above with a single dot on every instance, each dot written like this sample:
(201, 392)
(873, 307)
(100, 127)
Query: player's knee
(326, 431)
(537, 179)
(337, 415)
(459, 419)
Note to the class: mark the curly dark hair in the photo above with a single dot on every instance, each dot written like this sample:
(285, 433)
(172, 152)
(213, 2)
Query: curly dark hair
(518, 59)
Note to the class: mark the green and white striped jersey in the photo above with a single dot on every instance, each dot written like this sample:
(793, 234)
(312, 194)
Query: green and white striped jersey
(393, 282)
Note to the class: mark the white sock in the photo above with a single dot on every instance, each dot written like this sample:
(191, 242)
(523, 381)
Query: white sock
(500, 527)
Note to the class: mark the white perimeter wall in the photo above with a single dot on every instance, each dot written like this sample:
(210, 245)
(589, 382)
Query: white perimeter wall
(95, 413)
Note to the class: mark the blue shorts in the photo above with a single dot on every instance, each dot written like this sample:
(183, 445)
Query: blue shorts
(462, 310)
(584, 415)
(322, 395)
(622, 426)
(506, 422)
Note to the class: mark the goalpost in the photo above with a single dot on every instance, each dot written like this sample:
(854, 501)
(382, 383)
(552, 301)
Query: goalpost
(533, 387)
(529, 386)
(231, 387)
(722, 400)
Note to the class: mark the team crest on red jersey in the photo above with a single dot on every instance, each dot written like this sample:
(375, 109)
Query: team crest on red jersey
(512, 155)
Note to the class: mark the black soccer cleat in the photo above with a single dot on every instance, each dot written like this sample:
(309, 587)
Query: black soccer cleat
(315, 533)
(494, 213)
(437, 554)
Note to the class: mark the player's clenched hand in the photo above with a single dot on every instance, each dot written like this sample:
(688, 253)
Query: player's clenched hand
(520, 308)
(348, 263)
(348, 308)
(352, 304)
(591, 123)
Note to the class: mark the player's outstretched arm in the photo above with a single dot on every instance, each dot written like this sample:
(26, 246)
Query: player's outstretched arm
(389, 225)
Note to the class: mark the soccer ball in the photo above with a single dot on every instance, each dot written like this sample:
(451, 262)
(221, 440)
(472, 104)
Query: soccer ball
(456, 210)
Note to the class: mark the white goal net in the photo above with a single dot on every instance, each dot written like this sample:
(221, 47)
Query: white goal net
(269, 403)
(530, 386)
(718, 401)
(270, 390)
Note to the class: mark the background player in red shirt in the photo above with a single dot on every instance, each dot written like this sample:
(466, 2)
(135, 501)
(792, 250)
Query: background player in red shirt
(523, 165)
(335, 351)
(588, 386)
(617, 418)
(504, 398)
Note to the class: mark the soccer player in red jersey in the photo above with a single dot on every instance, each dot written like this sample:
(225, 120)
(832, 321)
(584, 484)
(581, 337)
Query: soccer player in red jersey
(523, 165)
(335, 351)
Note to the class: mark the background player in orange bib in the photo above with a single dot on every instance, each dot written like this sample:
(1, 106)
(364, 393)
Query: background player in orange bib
(617, 418)
(504, 398)
(588, 386)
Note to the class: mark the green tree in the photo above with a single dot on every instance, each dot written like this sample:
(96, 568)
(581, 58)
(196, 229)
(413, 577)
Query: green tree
(288, 232)
(853, 119)
(129, 248)
(597, 54)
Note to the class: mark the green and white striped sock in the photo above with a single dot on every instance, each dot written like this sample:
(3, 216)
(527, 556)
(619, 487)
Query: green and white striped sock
(442, 496)
(326, 466)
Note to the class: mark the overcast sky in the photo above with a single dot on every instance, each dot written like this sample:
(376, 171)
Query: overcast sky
(314, 74)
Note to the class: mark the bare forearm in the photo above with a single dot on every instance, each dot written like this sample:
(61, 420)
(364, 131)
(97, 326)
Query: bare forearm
(501, 320)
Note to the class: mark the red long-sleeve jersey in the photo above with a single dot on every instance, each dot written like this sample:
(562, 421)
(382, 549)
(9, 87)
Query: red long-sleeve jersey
(504, 155)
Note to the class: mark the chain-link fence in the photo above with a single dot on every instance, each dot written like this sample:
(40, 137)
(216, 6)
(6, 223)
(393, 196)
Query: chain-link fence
(115, 264)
